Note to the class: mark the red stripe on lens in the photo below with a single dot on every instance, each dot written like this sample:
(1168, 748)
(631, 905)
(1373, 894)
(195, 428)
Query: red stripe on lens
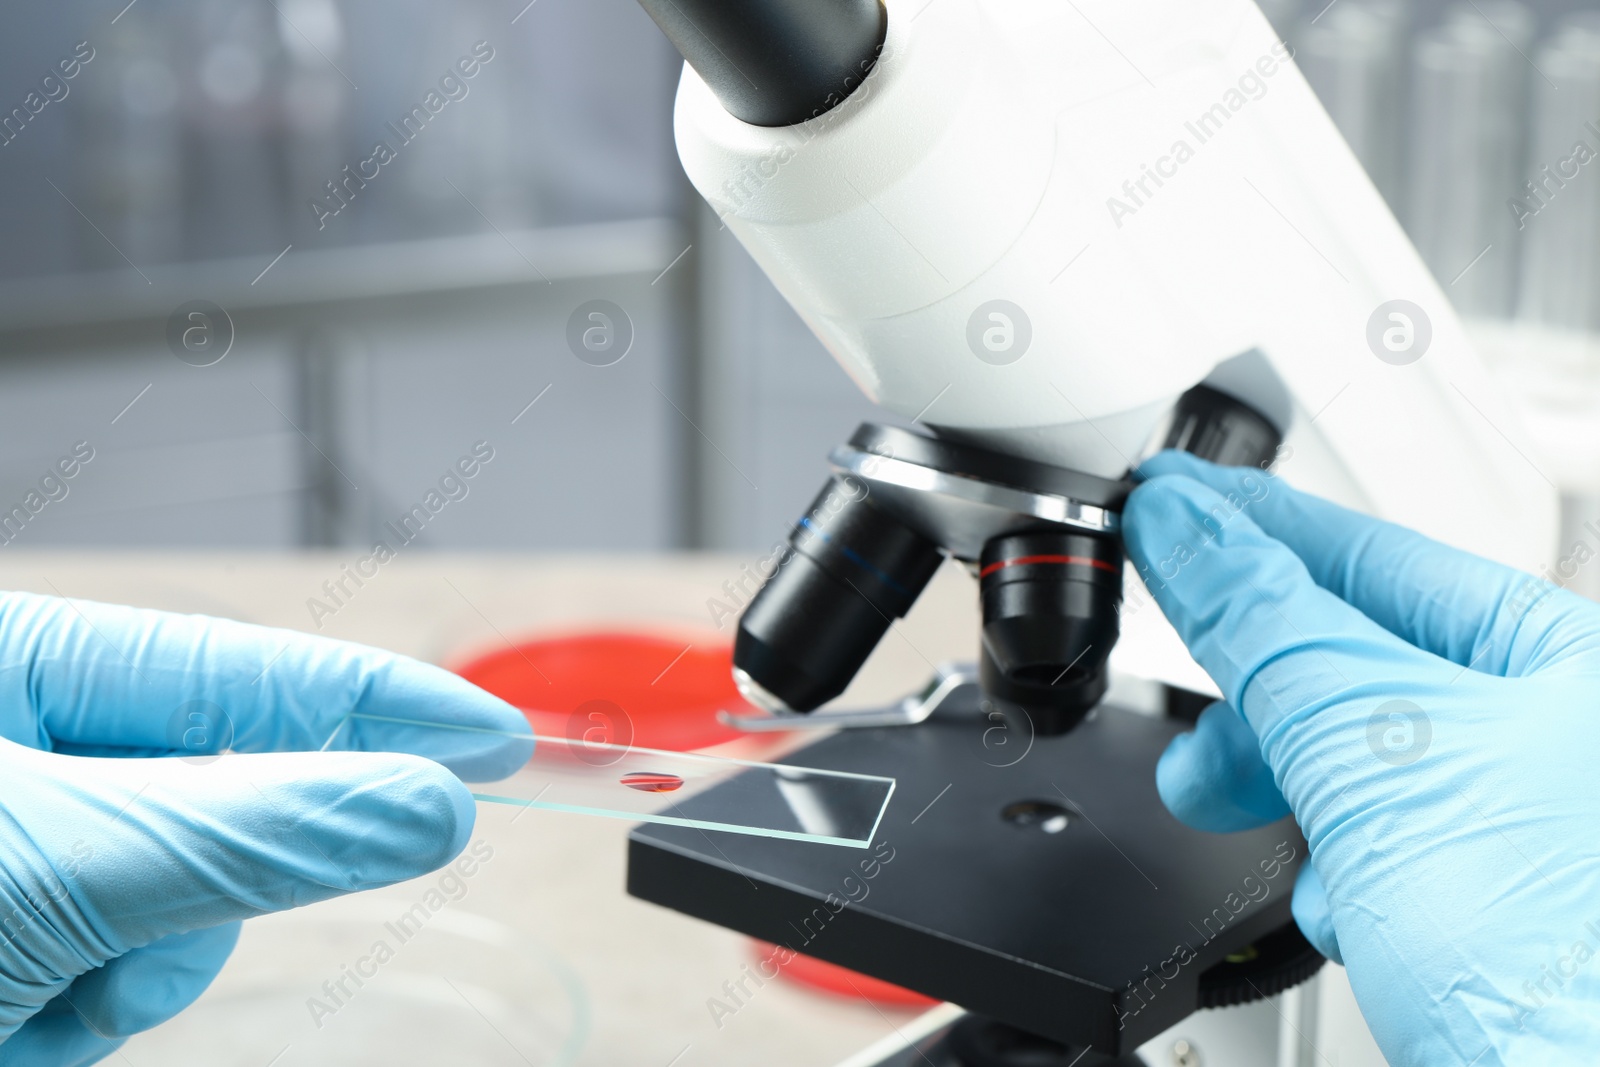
(1024, 561)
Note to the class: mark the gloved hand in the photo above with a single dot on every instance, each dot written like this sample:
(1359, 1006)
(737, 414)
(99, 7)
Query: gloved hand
(1429, 718)
(123, 880)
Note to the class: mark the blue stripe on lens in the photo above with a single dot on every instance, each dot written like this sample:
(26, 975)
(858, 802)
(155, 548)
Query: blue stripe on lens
(854, 557)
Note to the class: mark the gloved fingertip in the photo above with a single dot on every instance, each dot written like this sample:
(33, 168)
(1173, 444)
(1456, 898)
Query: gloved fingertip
(368, 819)
(1161, 506)
(1175, 781)
(464, 812)
(1148, 518)
(1214, 778)
(1313, 914)
(492, 712)
(410, 689)
(1194, 797)
(1154, 488)
(437, 798)
(261, 832)
(57, 1038)
(480, 737)
(1172, 461)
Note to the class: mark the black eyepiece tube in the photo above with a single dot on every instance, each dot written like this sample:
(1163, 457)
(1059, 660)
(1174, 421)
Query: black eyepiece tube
(776, 62)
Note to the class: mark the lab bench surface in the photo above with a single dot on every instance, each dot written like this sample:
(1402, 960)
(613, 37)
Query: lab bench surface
(529, 951)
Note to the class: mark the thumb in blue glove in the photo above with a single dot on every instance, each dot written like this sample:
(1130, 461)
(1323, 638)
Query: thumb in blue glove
(123, 880)
(1428, 718)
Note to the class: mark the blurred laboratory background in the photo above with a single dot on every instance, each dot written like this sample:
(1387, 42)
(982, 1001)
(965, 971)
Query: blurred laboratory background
(205, 184)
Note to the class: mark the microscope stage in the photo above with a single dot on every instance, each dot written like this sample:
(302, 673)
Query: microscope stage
(1038, 881)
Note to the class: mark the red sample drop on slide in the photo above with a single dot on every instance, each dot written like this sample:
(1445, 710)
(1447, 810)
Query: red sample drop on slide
(651, 782)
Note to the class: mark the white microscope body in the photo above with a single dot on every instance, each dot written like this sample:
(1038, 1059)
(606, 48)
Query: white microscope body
(1037, 222)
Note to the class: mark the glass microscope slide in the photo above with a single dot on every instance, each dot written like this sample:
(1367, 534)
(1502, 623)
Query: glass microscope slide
(639, 784)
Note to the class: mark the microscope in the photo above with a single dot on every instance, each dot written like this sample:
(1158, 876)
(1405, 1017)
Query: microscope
(1050, 237)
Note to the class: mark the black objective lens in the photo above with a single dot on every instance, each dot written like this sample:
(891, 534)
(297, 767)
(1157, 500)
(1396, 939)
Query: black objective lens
(1050, 605)
(850, 571)
(1213, 425)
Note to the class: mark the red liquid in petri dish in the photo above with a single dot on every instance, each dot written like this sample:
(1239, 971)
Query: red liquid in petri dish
(651, 782)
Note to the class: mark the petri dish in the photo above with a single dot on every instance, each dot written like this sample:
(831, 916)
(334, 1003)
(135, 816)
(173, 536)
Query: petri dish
(656, 689)
(639, 784)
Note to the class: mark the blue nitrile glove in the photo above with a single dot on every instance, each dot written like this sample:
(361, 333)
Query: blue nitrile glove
(1429, 717)
(123, 880)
